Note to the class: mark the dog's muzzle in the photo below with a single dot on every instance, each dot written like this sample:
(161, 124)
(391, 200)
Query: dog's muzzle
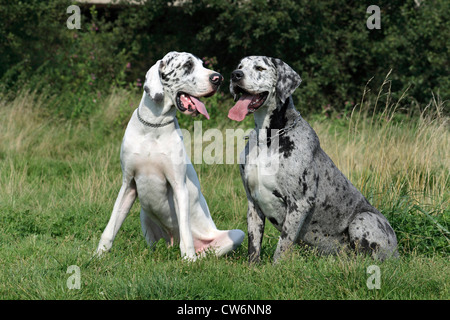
(237, 75)
(216, 79)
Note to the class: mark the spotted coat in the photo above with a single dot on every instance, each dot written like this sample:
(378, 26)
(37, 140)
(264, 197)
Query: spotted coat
(304, 195)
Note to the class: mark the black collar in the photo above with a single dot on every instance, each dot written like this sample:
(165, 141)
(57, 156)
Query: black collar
(153, 125)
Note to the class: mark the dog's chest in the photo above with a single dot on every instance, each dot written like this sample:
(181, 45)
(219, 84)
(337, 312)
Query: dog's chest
(260, 174)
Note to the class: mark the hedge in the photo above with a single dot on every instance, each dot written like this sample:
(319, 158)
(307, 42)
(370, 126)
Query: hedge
(326, 42)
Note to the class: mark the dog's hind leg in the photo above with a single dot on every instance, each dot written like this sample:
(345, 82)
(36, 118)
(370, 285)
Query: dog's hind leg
(371, 233)
(125, 199)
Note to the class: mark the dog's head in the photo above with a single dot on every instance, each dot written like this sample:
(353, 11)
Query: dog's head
(181, 79)
(258, 80)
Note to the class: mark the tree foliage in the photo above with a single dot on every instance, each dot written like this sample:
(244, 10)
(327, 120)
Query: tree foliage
(326, 42)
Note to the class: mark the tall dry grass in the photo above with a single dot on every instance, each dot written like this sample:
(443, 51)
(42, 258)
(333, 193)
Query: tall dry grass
(391, 153)
(54, 161)
(384, 154)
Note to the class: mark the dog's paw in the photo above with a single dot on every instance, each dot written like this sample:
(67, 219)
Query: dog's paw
(190, 258)
(101, 250)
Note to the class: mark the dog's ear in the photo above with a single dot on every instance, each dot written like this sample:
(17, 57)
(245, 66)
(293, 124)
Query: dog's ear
(287, 79)
(153, 86)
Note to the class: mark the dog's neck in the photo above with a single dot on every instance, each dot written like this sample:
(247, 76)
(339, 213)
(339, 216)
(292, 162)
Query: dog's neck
(275, 115)
(274, 121)
(156, 113)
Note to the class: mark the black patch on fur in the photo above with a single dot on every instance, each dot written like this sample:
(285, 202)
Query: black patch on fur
(166, 76)
(273, 221)
(286, 146)
(278, 117)
(291, 204)
(326, 206)
(278, 121)
(169, 60)
(277, 194)
(305, 188)
(364, 244)
(276, 62)
(159, 97)
(188, 67)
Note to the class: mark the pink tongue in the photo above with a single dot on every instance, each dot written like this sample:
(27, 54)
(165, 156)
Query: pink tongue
(200, 107)
(240, 109)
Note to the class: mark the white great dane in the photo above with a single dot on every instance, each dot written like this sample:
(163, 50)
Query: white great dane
(156, 168)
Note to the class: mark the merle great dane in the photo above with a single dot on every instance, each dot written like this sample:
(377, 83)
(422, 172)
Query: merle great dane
(307, 198)
(156, 168)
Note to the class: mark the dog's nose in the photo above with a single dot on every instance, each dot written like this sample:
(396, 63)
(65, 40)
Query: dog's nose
(237, 75)
(216, 79)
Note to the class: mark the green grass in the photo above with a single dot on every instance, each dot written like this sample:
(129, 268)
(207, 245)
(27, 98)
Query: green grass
(59, 181)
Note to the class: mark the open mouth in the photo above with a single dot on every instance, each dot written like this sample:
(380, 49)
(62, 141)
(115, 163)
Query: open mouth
(246, 104)
(189, 104)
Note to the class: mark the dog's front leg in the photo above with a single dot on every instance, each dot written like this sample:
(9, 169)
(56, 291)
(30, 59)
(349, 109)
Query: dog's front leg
(289, 233)
(255, 218)
(255, 222)
(181, 197)
(296, 213)
(291, 227)
(125, 199)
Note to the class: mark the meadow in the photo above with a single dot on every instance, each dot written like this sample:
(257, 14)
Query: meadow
(59, 179)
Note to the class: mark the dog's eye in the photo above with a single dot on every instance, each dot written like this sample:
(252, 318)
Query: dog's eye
(260, 68)
(240, 66)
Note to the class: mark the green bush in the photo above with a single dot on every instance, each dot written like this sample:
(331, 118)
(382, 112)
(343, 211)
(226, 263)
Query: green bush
(72, 66)
(330, 46)
(327, 42)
